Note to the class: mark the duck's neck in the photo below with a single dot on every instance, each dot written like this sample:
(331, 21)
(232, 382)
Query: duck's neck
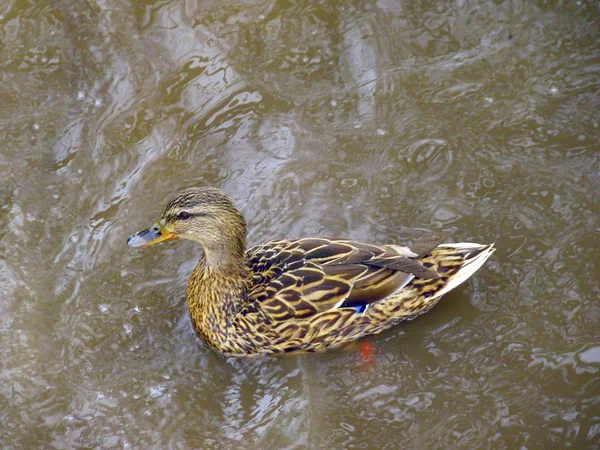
(216, 292)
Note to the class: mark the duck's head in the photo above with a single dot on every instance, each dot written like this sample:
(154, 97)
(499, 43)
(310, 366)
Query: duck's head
(202, 214)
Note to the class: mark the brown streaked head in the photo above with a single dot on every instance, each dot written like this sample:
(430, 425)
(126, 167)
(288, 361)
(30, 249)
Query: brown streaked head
(202, 214)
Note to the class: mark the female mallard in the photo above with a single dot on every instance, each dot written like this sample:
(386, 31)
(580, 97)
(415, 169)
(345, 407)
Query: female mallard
(310, 294)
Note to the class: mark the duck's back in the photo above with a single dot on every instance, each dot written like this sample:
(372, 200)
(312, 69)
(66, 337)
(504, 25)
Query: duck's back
(318, 293)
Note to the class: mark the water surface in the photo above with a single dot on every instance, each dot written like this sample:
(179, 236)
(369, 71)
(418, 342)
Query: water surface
(380, 121)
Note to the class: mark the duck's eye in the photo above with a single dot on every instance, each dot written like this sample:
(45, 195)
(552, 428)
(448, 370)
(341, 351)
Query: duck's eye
(184, 215)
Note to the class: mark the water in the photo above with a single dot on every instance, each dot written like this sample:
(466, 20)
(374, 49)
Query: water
(379, 121)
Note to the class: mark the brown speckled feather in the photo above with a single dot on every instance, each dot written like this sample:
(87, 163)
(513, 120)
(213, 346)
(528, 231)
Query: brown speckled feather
(317, 294)
(310, 294)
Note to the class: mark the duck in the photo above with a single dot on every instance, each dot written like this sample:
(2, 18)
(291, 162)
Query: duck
(310, 294)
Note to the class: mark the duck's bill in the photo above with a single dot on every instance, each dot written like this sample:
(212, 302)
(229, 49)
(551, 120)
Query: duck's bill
(150, 236)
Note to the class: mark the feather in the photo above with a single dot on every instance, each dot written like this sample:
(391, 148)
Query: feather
(310, 294)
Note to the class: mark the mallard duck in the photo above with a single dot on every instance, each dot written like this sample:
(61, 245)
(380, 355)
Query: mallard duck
(302, 295)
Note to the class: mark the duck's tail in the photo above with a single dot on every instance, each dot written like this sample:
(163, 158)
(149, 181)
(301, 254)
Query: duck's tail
(455, 263)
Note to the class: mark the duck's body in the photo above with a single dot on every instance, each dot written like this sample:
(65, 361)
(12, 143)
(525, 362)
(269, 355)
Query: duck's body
(310, 294)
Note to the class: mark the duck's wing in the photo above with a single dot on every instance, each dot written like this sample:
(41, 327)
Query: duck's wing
(300, 278)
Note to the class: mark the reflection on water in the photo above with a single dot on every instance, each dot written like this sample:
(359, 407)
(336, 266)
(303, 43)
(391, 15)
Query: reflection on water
(378, 121)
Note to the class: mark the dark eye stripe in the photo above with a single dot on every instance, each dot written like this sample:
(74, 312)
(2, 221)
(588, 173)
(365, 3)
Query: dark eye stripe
(184, 215)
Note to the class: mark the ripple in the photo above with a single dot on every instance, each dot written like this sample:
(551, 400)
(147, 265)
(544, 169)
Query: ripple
(430, 158)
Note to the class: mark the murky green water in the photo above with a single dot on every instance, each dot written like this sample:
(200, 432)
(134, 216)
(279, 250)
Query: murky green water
(378, 121)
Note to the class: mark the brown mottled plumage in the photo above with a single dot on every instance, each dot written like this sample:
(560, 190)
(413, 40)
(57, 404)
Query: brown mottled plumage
(310, 294)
